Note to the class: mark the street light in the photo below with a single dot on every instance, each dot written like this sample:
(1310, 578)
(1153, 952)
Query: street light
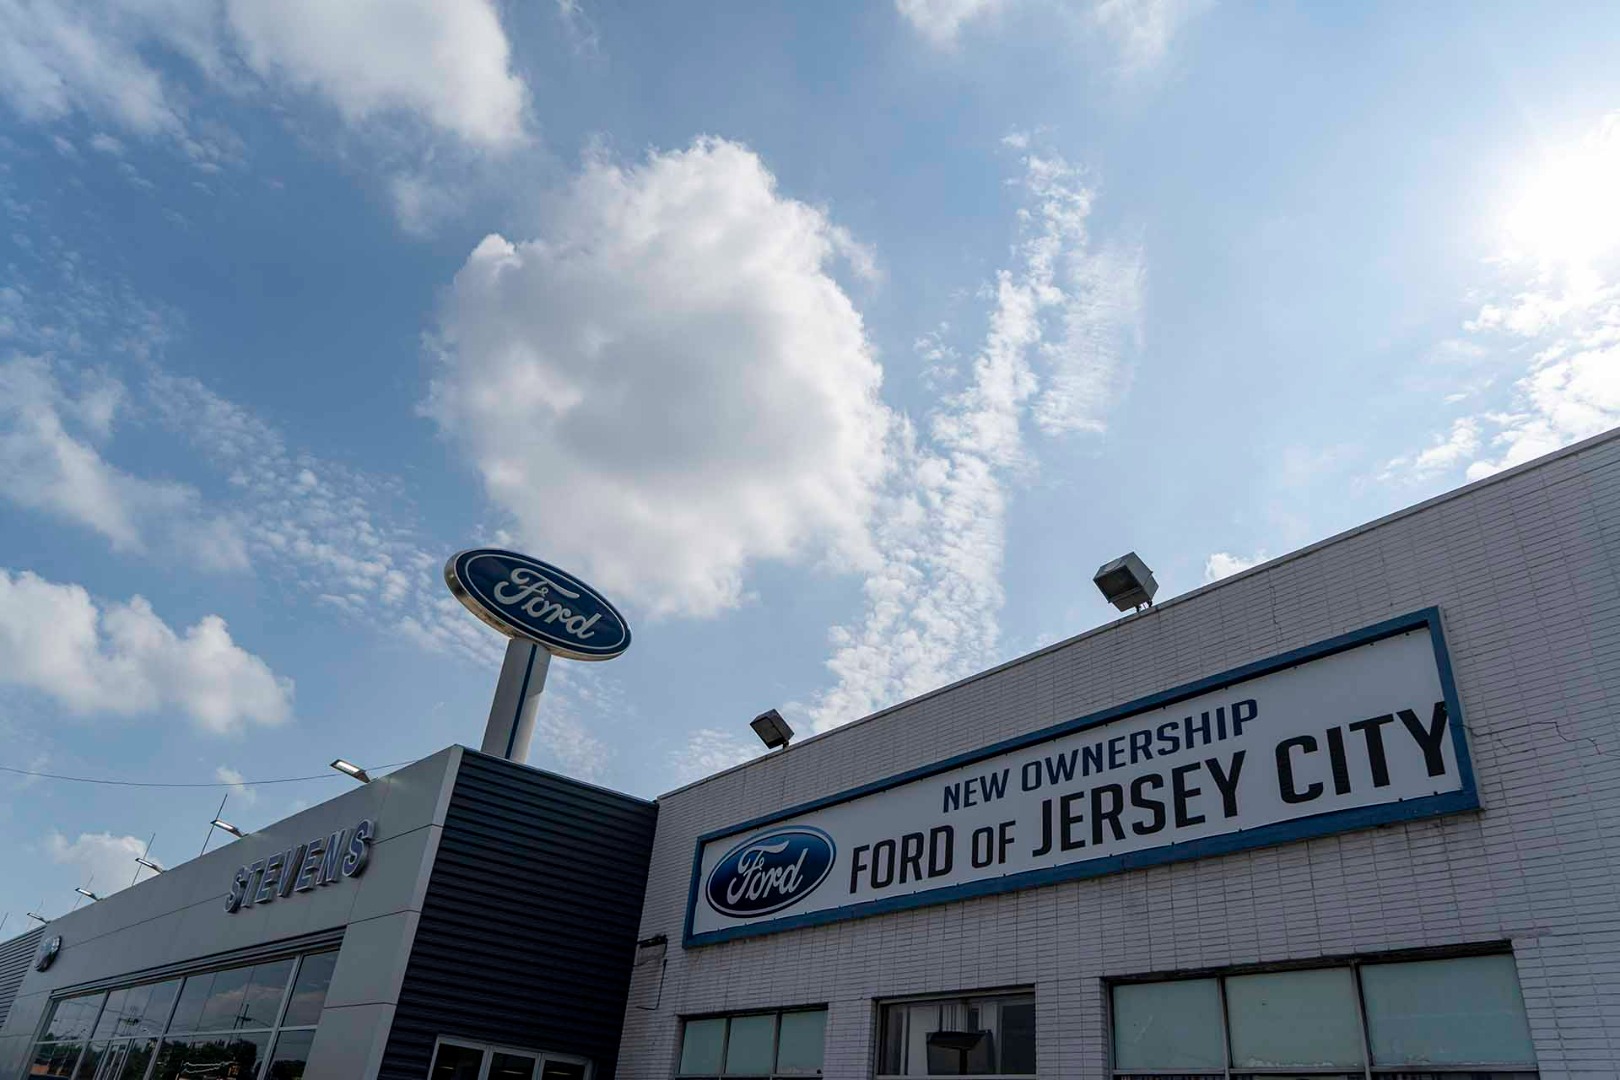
(82, 891)
(348, 768)
(149, 864)
(226, 826)
(42, 920)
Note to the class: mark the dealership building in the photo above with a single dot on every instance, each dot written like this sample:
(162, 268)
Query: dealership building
(1351, 813)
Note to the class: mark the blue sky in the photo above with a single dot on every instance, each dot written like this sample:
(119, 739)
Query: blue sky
(838, 344)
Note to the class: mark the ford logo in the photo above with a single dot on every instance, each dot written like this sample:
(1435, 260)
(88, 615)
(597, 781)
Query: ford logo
(525, 598)
(770, 872)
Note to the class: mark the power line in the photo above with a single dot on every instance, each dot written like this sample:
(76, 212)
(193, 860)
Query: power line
(192, 784)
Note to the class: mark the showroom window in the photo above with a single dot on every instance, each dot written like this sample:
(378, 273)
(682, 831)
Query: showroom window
(987, 1035)
(758, 1045)
(457, 1059)
(1447, 1019)
(254, 1021)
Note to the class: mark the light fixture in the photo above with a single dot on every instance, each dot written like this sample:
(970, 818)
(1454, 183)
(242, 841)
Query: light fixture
(149, 864)
(348, 768)
(772, 730)
(228, 827)
(82, 891)
(1126, 582)
(42, 920)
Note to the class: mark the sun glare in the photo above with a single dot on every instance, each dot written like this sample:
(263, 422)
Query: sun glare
(1566, 214)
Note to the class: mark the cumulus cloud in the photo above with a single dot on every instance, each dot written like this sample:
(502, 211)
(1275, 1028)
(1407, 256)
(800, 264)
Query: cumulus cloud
(49, 463)
(446, 62)
(106, 863)
(121, 658)
(1052, 356)
(1225, 564)
(940, 22)
(670, 384)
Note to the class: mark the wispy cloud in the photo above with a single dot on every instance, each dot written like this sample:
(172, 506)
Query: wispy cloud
(1138, 31)
(708, 751)
(1224, 564)
(1053, 355)
(227, 775)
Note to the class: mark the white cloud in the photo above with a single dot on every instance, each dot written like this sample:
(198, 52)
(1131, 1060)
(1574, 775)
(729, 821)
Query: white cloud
(1447, 452)
(49, 464)
(940, 22)
(669, 385)
(1562, 400)
(106, 863)
(1225, 564)
(227, 775)
(121, 658)
(708, 751)
(1051, 355)
(447, 62)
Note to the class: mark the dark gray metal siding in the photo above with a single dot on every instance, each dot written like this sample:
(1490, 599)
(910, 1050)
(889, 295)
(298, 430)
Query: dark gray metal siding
(15, 957)
(529, 923)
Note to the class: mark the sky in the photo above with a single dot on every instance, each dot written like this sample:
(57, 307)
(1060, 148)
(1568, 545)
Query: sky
(837, 344)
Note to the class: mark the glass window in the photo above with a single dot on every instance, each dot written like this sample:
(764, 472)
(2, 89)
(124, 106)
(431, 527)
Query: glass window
(223, 1009)
(112, 1015)
(563, 1070)
(751, 1046)
(1294, 1019)
(291, 1054)
(309, 991)
(55, 1059)
(73, 1018)
(193, 996)
(128, 1059)
(801, 1040)
(1168, 1025)
(222, 1056)
(262, 999)
(702, 1045)
(159, 1003)
(505, 1066)
(1447, 1012)
(773, 1044)
(453, 1062)
(987, 1035)
(1413, 1015)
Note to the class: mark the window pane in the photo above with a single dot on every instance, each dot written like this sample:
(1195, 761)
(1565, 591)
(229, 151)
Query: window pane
(193, 996)
(750, 1044)
(224, 1005)
(292, 1052)
(159, 1002)
(55, 1059)
(1018, 1036)
(800, 1046)
(219, 1056)
(72, 1018)
(93, 1055)
(892, 1053)
(454, 1062)
(309, 992)
(922, 1020)
(1447, 1012)
(701, 1045)
(127, 1060)
(1168, 1025)
(511, 1067)
(1294, 1018)
(112, 1015)
(262, 1000)
(563, 1070)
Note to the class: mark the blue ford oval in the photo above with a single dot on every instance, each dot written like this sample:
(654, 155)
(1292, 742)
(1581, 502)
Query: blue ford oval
(526, 598)
(770, 872)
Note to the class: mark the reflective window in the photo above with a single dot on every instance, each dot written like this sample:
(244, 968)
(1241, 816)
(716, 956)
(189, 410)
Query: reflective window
(73, 1018)
(471, 1061)
(223, 1056)
(55, 1059)
(1321, 1023)
(222, 1009)
(768, 1044)
(309, 989)
(983, 1035)
(290, 1055)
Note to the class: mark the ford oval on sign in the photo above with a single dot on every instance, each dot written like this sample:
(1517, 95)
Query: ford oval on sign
(770, 872)
(526, 598)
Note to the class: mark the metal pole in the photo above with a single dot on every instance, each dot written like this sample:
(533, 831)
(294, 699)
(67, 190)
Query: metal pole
(517, 699)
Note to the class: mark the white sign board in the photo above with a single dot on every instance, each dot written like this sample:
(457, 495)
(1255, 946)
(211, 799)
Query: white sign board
(1361, 730)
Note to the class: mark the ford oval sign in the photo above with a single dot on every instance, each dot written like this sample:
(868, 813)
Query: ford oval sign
(525, 598)
(770, 872)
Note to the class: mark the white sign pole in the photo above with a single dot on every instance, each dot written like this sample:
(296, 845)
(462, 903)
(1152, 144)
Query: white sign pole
(517, 700)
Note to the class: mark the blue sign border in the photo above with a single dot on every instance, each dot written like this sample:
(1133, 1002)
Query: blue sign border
(1305, 828)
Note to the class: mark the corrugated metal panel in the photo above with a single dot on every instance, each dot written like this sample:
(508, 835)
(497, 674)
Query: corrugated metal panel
(529, 923)
(15, 957)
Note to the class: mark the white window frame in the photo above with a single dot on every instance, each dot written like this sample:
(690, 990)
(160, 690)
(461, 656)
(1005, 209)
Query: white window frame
(541, 1057)
(725, 1043)
(963, 995)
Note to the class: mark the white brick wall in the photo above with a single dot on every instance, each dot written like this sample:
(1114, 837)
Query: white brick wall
(1526, 571)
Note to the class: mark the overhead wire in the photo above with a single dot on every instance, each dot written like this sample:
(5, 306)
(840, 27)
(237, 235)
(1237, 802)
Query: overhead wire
(187, 784)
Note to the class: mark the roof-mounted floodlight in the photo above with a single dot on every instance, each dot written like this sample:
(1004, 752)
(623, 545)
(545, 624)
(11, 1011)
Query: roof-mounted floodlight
(772, 730)
(82, 891)
(149, 864)
(1127, 582)
(42, 920)
(227, 827)
(348, 768)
